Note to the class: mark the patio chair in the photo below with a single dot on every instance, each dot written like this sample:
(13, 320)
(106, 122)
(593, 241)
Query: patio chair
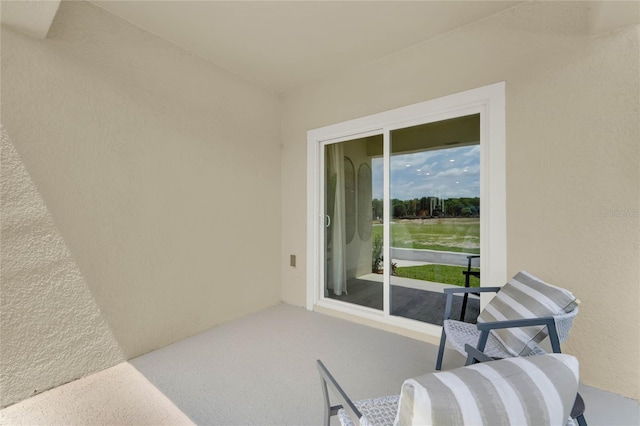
(523, 313)
(577, 411)
(495, 392)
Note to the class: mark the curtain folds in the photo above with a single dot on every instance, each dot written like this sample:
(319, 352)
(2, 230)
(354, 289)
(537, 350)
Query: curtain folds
(336, 231)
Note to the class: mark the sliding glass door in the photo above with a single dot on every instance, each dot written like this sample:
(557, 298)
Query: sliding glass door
(435, 216)
(399, 208)
(352, 253)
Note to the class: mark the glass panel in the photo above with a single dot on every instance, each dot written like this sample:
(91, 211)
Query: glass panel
(351, 257)
(435, 217)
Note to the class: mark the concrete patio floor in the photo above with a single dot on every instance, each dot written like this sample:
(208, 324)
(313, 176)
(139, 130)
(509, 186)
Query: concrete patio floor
(257, 370)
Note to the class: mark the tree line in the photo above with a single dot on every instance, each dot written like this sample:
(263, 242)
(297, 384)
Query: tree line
(429, 207)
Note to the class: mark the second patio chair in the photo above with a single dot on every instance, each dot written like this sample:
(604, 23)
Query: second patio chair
(523, 313)
(495, 392)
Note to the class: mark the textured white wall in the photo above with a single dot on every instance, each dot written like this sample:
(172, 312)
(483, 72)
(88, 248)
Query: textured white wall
(572, 158)
(49, 316)
(140, 198)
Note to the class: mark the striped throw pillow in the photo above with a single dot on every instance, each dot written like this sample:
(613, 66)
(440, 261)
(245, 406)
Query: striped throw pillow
(524, 297)
(536, 390)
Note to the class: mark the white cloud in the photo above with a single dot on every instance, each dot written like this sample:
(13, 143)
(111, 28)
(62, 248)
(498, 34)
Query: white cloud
(432, 173)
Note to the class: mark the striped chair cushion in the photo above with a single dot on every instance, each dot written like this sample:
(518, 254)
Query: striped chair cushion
(524, 297)
(536, 390)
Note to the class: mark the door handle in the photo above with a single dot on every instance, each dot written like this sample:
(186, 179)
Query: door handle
(327, 221)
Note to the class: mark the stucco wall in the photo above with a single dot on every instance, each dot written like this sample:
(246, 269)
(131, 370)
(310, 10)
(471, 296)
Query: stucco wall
(572, 159)
(140, 198)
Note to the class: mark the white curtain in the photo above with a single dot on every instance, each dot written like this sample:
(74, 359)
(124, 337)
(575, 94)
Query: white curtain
(337, 271)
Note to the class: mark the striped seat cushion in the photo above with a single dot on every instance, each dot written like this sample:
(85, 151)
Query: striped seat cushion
(525, 297)
(536, 390)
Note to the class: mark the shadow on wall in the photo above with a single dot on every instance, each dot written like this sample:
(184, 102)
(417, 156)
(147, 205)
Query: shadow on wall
(52, 328)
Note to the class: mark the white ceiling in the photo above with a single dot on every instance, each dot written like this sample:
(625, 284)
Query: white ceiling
(280, 45)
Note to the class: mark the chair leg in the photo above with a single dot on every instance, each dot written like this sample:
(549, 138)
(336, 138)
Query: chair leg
(464, 303)
(581, 420)
(443, 340)
(577, 412)
(327, 405)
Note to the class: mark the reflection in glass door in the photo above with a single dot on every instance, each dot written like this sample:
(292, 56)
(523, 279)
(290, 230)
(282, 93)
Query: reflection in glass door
(434, 217)
(352, 250)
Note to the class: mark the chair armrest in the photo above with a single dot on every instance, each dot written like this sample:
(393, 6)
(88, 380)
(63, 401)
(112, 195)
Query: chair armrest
(328, 381)
(449, 292)
(475, 355)
(548, 322)
(454, 290)
(469, 260)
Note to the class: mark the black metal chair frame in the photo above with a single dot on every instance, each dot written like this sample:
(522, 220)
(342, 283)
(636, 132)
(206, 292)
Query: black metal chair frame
(467, 276)
(346, 403)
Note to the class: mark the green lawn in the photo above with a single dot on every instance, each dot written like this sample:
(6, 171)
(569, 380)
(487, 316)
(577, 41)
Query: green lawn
(438, 273)
(451, 234)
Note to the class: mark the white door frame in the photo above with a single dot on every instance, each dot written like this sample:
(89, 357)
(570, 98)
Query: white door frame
(489, 102)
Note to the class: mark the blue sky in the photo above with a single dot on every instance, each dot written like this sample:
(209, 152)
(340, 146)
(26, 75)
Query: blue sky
(447, 173)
